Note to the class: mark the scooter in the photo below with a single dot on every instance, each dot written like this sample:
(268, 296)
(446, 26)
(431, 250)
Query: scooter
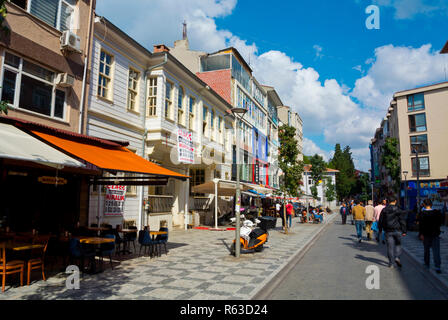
(251, 238)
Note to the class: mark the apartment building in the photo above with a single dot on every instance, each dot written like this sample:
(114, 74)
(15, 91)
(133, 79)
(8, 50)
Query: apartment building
(152, 101)
(416, 117)
(43, 78)
(230, 75)
(293, 119)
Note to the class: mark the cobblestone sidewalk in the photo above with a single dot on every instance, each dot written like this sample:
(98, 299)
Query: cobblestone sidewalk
(198, 267)
(413, 246)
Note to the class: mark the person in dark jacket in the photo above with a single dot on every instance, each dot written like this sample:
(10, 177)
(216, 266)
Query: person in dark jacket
(430, 221)
(343, 211)
(393, 222)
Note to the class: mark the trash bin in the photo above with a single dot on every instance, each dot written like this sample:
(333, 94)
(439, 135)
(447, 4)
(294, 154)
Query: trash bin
(267, 222)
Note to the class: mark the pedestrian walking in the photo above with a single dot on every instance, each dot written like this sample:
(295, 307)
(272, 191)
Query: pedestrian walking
(289, 213)
(430, 221)
(359, 213)
(393, 222)
(343, 211)
(350, 211)
(370, 212)
(377, 214)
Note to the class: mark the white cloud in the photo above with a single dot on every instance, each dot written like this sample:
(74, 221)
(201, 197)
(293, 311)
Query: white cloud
(326, 106)
(310, 149)
(408, 9)
(398, 68)
(318, 49)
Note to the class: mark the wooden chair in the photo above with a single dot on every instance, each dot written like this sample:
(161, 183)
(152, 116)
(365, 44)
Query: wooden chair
(11, 267)
(38, 262)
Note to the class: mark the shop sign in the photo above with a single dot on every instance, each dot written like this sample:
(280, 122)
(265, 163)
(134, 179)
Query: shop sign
(52, 180)
(114, 201)
(185, 146)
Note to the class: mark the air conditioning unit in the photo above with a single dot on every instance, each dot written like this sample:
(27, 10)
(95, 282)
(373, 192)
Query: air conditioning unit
(65, 80)
(70, 41)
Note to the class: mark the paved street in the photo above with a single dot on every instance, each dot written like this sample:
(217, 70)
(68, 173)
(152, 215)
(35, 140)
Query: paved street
(335, 268)
(197, 267)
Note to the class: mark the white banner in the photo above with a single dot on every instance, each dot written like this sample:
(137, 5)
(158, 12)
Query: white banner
(185, 147)
(114, 201)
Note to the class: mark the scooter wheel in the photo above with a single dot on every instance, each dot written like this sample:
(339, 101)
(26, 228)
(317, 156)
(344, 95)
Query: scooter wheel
(259, 248)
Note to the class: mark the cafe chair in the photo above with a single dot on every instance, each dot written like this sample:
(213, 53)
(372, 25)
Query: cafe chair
(107, 249)
(38, 262)
(131, 237)
(78, 252)
(162, 238)
(11, 267)
(144, 239)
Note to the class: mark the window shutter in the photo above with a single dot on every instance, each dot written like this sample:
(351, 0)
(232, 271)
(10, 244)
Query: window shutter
(66, 17)
(47, 10)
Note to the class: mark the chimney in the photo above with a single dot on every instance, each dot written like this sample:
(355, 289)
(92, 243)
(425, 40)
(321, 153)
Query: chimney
(161, 48)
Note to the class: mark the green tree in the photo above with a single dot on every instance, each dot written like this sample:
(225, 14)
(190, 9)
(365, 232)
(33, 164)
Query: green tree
(288, 163)
(345, 178)
(362, 188)
(391, 161)
(317, 172)
(330, 190)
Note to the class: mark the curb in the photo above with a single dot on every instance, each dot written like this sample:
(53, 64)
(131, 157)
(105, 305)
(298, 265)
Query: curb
(280, 274)
(430, 275)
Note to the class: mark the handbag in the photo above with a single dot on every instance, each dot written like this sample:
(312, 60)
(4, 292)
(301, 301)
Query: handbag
(375, 226)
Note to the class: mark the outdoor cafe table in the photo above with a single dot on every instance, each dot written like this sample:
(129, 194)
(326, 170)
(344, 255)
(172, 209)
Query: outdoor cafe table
(92, 241)
(22, 246)
(124, 242)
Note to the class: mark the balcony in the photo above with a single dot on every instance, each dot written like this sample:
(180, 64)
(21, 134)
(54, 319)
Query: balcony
(160, 204)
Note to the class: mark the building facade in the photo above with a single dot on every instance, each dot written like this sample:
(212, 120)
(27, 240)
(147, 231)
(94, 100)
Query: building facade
(416, 117)
(230, 75)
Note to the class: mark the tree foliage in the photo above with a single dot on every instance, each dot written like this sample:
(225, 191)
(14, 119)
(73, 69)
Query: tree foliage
(330, 190)
(345, 178)
(391, 161)
(288, 163)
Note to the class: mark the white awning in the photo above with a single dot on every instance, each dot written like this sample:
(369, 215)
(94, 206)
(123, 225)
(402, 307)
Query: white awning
(18, 145)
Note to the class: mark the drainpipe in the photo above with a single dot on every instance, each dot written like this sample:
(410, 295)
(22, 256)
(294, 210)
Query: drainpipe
(87, 51)
(145, 135)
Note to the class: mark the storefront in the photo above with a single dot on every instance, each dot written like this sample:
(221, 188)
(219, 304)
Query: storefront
(47, 182)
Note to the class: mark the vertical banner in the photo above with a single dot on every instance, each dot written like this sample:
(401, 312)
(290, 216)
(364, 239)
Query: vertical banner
(114, 201)
(185, 147)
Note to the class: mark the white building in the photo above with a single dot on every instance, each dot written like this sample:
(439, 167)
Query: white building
(308, 183)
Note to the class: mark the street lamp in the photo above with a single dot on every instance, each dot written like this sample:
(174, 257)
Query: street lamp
(239, 114)
(415, 149)
(405, 173)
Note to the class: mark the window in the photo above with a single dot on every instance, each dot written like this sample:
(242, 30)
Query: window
(212, 123)
(168, 99)
(417, 122)
(204, 119)
(152, 96)
(57, 13)
(180, 106)
(133, 90)
(423, 166)
(197, 177)
(416, 102)
(423, 139)
(105, 75)
(191, 113)
(29, 86)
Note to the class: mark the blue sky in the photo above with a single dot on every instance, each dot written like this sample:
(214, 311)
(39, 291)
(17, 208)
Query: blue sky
(319, 55)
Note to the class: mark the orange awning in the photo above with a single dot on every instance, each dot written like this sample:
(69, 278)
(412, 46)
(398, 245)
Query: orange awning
(109, 158)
